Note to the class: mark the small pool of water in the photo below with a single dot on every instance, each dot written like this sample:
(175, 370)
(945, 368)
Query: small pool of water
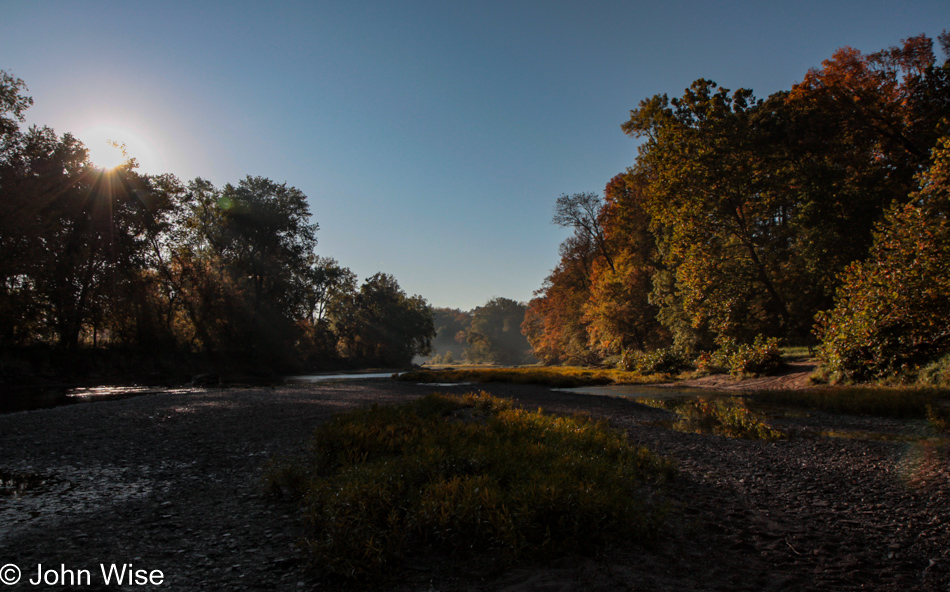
(339, 376)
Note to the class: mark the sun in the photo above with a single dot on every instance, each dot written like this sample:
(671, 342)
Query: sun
(112, 143)
(107, 154)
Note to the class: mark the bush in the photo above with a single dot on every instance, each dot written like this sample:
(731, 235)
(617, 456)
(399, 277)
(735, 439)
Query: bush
(762, 356)
(658, 361)
(468, 475)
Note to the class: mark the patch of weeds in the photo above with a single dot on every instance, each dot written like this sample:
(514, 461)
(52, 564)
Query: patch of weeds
(468, 476)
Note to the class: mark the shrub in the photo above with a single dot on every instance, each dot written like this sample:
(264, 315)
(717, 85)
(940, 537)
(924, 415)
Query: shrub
(658, 361)
(470, 475)
(762, 356)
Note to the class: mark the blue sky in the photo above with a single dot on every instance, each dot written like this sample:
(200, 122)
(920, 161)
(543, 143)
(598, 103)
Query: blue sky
(432, 137)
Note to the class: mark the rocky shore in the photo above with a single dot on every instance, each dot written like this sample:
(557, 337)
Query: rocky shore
(172, 483)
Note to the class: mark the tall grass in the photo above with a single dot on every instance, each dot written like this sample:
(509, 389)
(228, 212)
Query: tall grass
(468, 475)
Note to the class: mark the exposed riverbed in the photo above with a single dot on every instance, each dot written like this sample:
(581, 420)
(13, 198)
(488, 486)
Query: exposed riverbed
(172, 481)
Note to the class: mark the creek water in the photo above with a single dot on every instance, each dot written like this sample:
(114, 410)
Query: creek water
(328, 377)
(635, 391)
(27, 399)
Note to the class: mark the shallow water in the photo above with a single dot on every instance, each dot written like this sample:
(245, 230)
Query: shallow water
(328, 377)
(30, 399)
(635, 391)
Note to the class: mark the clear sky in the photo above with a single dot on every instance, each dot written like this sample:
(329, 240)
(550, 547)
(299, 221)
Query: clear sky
(432, 137)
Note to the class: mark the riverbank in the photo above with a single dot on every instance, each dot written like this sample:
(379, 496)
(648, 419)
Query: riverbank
(171, 482)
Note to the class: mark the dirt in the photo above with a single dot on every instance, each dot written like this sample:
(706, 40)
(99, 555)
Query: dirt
(172, 483)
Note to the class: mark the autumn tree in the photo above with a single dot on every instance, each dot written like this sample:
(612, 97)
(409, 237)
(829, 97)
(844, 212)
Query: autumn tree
(554, 320)
(892, 311)
(618, 311)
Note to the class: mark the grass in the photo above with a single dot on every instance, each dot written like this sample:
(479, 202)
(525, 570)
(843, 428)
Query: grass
(553, 376)
(464, 476)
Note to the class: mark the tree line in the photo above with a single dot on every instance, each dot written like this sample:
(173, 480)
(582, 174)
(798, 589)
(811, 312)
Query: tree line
(817, 216)
(489, 334)
(94, 259)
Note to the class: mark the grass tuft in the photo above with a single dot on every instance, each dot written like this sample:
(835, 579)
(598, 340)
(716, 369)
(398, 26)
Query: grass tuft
(468, 475)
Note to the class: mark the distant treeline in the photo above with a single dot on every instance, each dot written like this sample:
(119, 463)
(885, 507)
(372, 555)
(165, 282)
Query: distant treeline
(93, 259)
(817, 215)
(490, 334)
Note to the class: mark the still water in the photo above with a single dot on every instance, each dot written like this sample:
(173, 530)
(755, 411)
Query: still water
(26, 399)
(635, 391)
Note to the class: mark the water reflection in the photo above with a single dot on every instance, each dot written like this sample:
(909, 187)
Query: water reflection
(328, 377)
(28, 399)
(635, 391)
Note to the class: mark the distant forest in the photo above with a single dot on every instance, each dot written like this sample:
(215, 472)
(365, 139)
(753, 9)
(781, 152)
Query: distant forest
(110, 271)
(490, 334)
(815, 217)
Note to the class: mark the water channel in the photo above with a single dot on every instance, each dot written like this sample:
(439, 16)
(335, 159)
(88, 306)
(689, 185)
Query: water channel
(27, 399)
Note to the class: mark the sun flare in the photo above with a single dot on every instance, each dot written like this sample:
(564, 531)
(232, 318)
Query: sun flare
(112, 144)
(107, 155)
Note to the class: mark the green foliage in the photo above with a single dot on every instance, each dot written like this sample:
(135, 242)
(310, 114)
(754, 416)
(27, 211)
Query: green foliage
(382, 326)
(468, 475)
(762, 356)
(936, 373)
(451, 327)
(494, 336)
(892, 312)
(659, 361)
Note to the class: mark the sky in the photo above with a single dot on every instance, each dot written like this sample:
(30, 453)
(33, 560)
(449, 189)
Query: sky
(432, 138)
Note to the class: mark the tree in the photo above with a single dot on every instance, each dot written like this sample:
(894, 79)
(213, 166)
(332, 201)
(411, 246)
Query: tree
(13, 103)
(382, 326)
(892, 312)
(554, 319)
(618, 311)
(451, 327)
(495, 336)
(582, 212)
